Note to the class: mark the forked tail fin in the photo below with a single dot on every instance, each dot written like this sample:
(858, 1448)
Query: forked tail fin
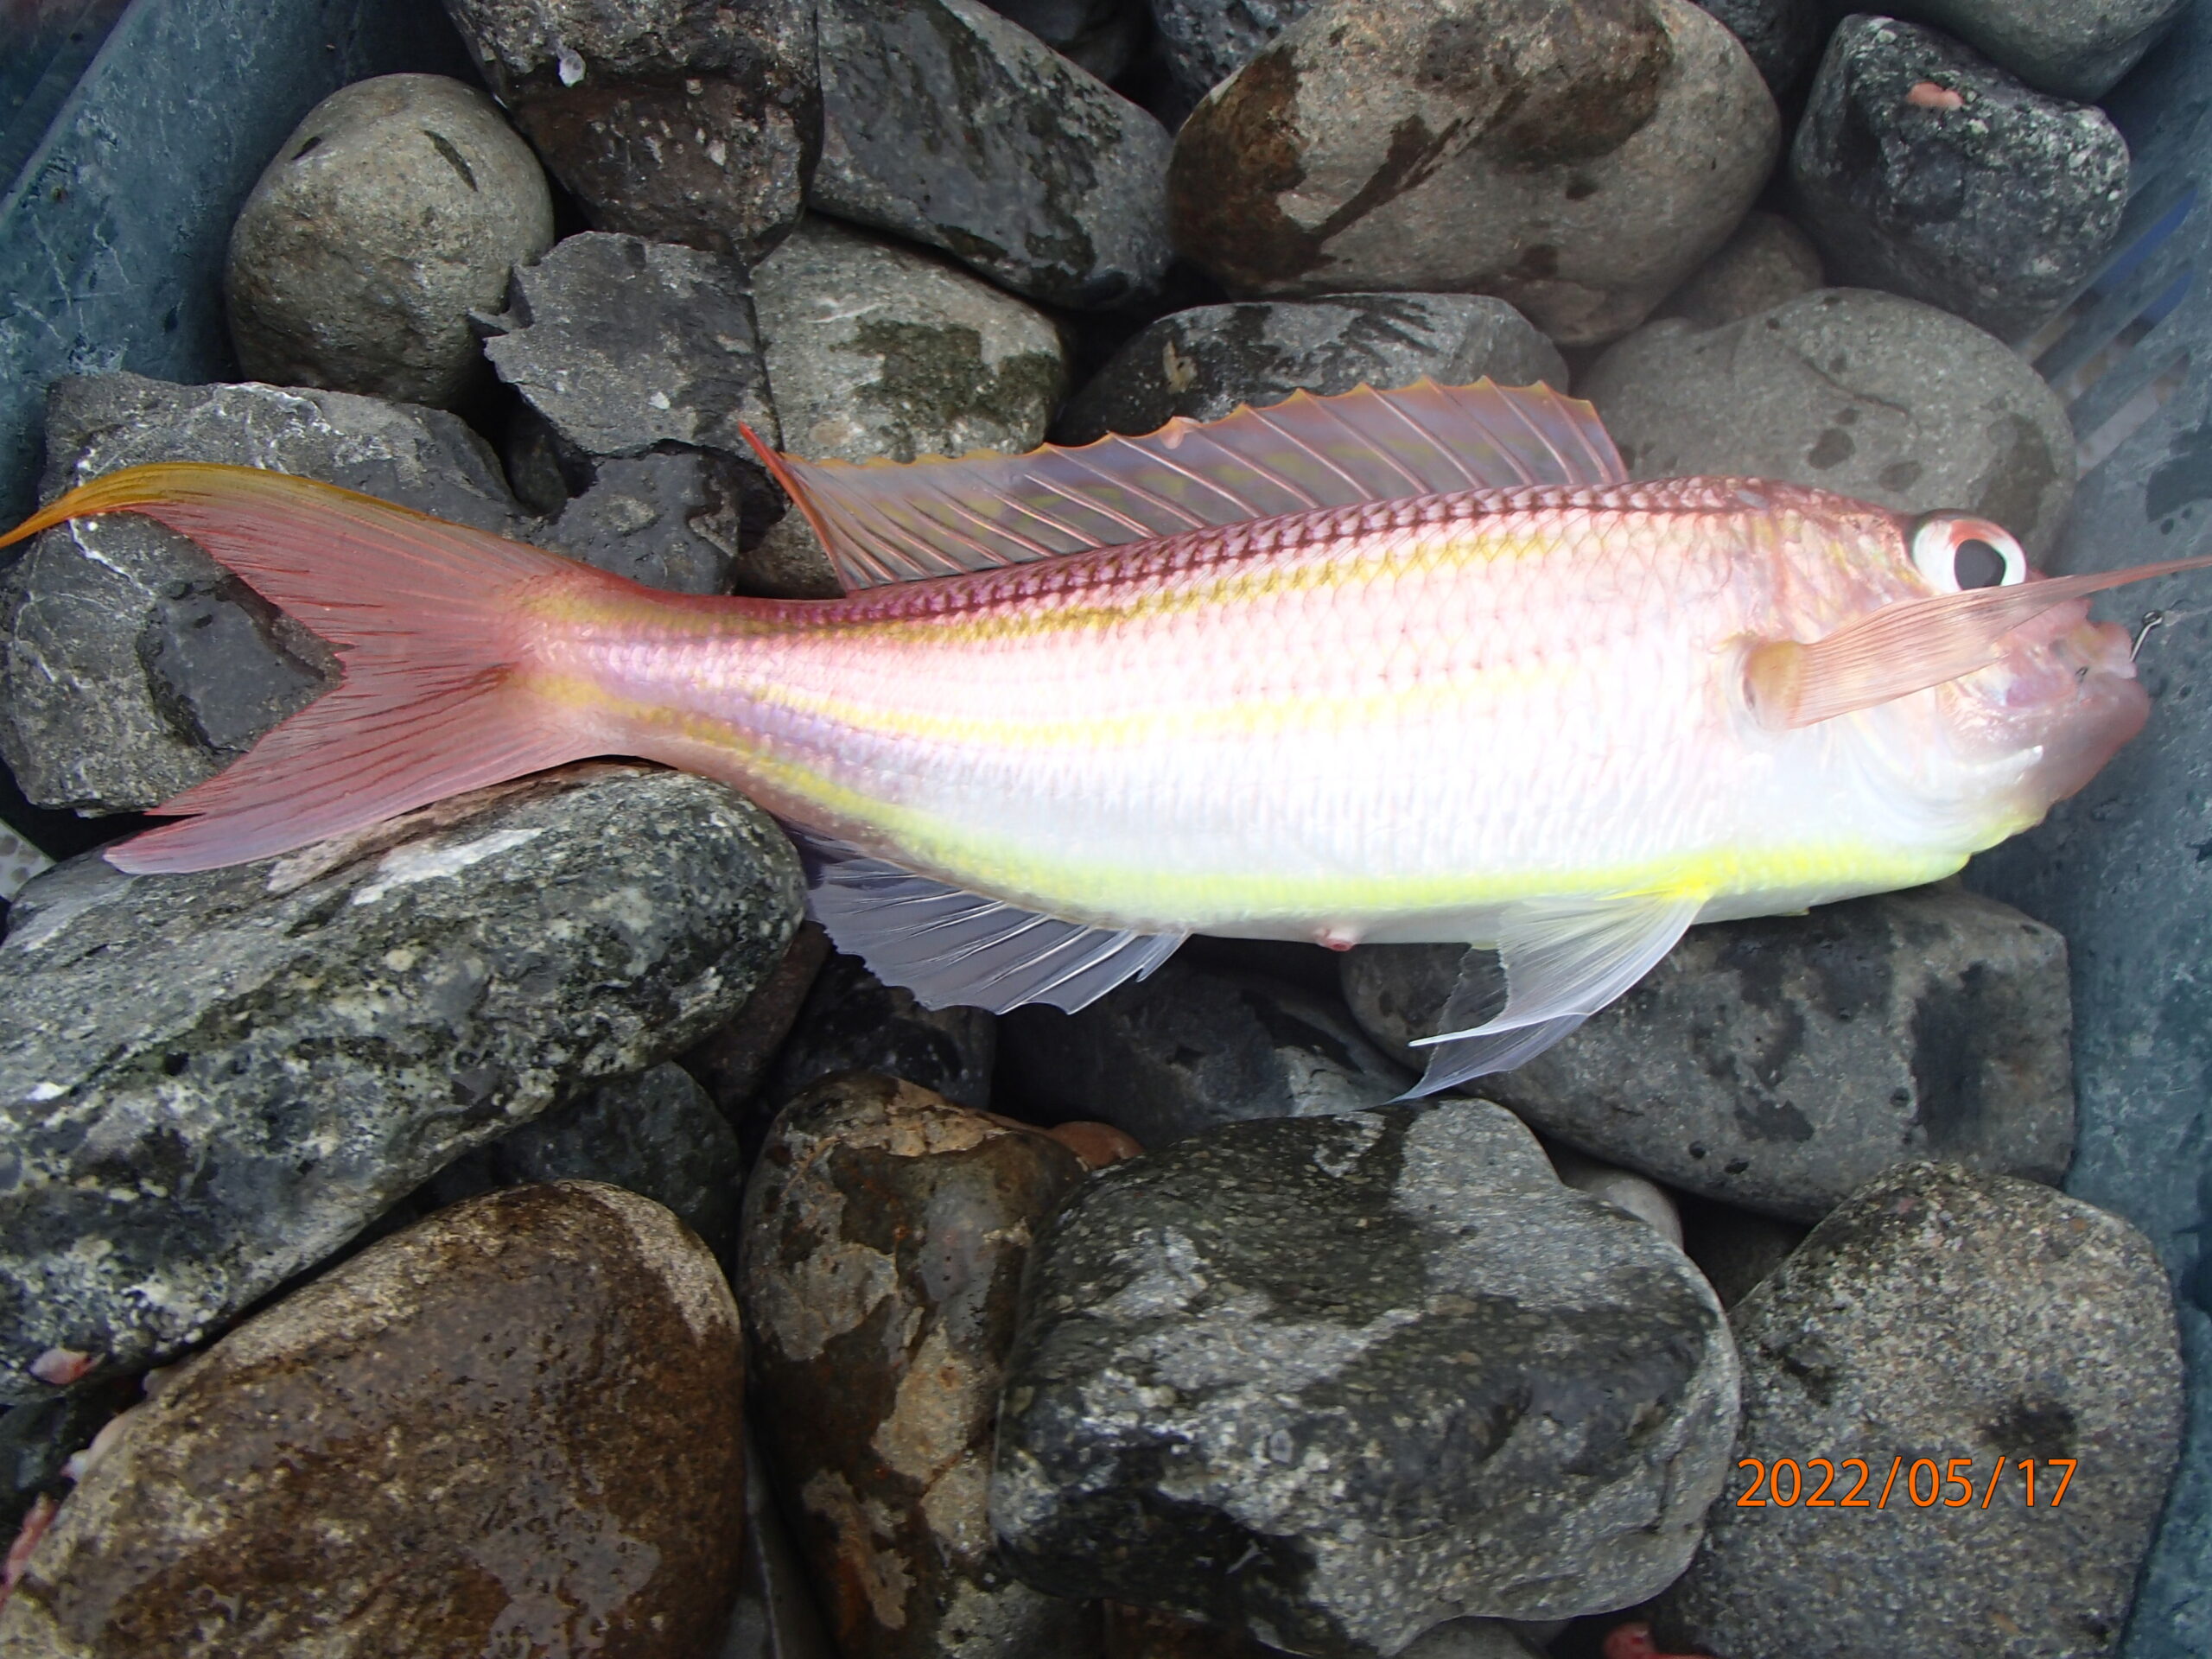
(431, 624)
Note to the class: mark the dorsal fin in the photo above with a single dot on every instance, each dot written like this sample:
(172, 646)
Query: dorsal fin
(888, 521)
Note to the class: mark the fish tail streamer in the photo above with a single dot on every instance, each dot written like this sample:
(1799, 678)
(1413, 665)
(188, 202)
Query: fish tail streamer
(433, 623)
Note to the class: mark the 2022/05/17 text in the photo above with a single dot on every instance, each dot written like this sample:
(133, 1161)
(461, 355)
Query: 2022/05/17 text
(1820, 1483)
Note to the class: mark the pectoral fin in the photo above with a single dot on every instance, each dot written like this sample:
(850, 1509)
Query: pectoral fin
(1911, 645)
(1563, 962)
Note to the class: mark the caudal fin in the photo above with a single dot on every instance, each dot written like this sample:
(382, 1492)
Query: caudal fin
(430, 623)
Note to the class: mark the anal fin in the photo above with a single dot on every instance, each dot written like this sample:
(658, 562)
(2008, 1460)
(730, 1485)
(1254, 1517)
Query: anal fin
(952, 948)
(1564, 960)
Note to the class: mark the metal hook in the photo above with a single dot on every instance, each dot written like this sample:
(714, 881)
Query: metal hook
(2150, 620)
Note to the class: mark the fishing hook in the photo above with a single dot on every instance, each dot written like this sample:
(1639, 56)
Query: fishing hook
(2150, 620)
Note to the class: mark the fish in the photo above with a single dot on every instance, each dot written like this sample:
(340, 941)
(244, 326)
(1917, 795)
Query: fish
(1419, 666)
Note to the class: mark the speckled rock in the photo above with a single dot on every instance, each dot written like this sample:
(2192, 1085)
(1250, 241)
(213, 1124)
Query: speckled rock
(2076, 49)
(675, 517)
(880, 352)
(132, 664)
(886, 1230)
(852, 1021)
(1206, 41)
(1779, 1064)
(394, 210)
(210, 1082)
(1479, 146)
(1646, 1200)
(1782, 37)
(1204, 362)
(516, 1426)
(1945, 1316)
(691, 121)
(1101, 36)
(656, 1135)
(1766, 262)
(1336, 1381)
(732, 1062)
(1866, 394)
(1923, 168)
(622, 344)
(948, 124)
(1188, 1050)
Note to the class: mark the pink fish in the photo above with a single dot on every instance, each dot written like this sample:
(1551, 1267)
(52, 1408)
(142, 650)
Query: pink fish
(1414, 665)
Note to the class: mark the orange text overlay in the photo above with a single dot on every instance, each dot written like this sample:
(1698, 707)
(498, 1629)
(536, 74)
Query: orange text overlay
(1907, 1483)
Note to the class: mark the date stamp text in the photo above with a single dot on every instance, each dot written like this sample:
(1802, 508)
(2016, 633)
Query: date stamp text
(1923, 1483)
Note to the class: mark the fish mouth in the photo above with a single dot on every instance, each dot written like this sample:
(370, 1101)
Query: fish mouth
(2107, 707)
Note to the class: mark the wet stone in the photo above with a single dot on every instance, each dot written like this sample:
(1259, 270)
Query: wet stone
(532, 1399)
(1781, 1063)
(1206, 41)
(885, 1231)
(1872, 396)
(210, 1082)
(690, 121)
(622, 344)
(1766, 262)
(1334, 1381)
(1203, 363)
(1782, 37)
(673, 518)
(1923, 168)
(1942, 1315)
(656, 1135)
(880, 351)
(1188, 1050)
(1409, 146)
(1646, 1200)
(946, 124)
(394, 210)
(2074, 48)
(852, 1021)
(132, 664)
(732, 1062)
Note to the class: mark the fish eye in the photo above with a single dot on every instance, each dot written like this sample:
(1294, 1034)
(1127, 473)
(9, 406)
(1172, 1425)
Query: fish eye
(1958, 553)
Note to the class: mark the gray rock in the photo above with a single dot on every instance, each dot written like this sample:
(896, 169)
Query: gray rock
(1336, 1380)
(1923, 168)
(622, 344)
(2076, 49)
(517, 1426)
(674, 517)
(1766, 262)
(1188, 1050)
(1100, 36)
(1472, 1638)
(852, 1021)
(1866, 394)
(691, 121)
(393, 210)
(1203, 363)
(945, 123)
(656, 1135)
(1410, 145)
(132, 664)
(1782, 37)
(209, 1081)
(1780, 1064)
(1946, 1316)
(1206, 41)
(879, 351)
(1645, 1199)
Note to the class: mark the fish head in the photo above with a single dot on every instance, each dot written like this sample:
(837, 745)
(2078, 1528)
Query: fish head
(2049, 699)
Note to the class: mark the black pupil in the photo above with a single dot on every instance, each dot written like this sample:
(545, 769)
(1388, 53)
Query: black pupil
(1977, 564)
